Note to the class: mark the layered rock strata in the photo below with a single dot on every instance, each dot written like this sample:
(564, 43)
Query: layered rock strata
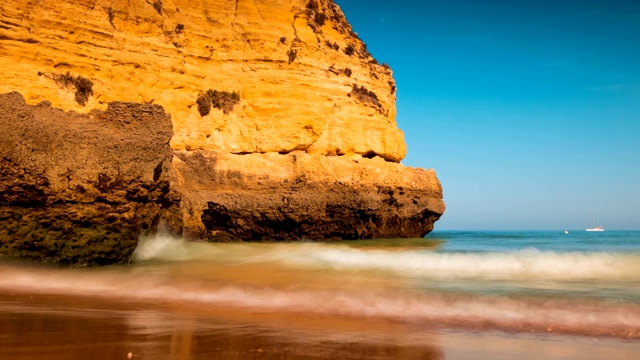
(227, 197)
(80, 188)
(293, 64)
(283, 128)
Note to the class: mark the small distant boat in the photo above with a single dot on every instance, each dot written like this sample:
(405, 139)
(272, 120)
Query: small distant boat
(595, 228)
(595, 224)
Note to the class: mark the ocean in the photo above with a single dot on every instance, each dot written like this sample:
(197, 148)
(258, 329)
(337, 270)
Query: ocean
(451, 295)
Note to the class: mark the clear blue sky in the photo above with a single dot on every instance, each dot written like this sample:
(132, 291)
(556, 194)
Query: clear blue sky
(529, 111)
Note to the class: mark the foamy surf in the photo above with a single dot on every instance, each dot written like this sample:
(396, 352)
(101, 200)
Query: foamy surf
(160, 287)
(524, 290)
(528, 264)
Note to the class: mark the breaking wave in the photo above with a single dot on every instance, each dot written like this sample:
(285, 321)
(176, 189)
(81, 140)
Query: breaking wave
(528, 264)
(518, 314)
(393, 283)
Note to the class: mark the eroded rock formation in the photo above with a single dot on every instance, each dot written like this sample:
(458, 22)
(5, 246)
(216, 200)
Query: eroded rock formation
(80, 188)
(293, 63)
(297, 196)
(283, 128)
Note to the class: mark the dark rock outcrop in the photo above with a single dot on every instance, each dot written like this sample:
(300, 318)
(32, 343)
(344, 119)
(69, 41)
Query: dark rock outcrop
(317, 212)
(81, 188)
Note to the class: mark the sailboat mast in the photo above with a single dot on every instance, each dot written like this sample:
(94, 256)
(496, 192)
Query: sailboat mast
(595, 223)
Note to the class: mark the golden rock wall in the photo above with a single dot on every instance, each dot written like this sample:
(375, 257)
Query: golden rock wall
(293, 65)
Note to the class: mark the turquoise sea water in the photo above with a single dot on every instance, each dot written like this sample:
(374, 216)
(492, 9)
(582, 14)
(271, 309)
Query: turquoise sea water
(518, 282)
(551, 264)
(574, 240)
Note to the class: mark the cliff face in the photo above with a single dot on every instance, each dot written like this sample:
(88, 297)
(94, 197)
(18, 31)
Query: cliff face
(293, 65)
(283, 128)
(80, 188)
(298, 196)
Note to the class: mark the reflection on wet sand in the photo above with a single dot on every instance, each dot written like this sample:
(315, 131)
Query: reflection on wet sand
(181, 344)
(52, 328)
(70, 330)
(368, 300)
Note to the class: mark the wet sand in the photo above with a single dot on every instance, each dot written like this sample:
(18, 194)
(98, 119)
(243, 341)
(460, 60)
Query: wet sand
(325, 301)
(63, 327)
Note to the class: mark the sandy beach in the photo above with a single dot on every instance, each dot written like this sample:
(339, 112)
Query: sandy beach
(55, 327)
(442, 298)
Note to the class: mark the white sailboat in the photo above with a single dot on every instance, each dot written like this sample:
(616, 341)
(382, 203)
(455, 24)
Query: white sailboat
(595, 224)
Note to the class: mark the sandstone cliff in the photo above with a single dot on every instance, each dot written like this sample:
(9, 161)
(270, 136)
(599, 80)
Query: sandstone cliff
(283, 128)
(299, 196)
(292, 63)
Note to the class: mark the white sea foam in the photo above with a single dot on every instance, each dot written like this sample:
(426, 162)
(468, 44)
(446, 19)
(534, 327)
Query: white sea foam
(526, 264)
(529, 264)
(161, 247)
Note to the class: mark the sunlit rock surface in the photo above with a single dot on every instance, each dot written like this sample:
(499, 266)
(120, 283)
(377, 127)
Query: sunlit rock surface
(298, 196)
(292, 74)
(283, 128)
